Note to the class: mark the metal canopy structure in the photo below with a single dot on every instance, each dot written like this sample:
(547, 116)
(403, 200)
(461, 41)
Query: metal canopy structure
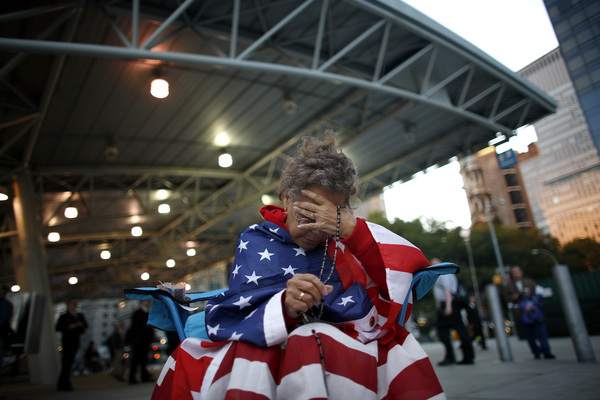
(76, 115)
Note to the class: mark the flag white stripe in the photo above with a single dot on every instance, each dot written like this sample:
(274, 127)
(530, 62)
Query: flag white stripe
(295, 386)
(246, 375)
(218, 354)
(398, 283)
(399, 358)
(383, 235)
(273, 322)
(169, 365)
(339, 336)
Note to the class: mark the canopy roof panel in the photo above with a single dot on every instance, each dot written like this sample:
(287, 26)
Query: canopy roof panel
(403, 92)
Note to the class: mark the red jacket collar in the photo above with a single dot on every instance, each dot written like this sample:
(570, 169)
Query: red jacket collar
(274, 214)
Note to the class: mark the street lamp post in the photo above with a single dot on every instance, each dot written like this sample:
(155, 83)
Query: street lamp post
(486, 207)
(571, 308)
(546, 252)
(466, 236)
(494, 296)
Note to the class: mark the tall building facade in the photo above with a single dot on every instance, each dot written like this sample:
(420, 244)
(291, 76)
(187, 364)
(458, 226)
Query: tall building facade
(563, 181)
(577, 27)
(497, 186)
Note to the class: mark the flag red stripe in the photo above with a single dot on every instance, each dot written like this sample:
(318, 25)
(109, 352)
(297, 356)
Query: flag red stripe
(237, 394)
(303, 350)
(414, 383)
(250, 352)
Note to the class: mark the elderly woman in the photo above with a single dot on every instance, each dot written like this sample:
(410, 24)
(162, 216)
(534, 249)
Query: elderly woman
(313, 300)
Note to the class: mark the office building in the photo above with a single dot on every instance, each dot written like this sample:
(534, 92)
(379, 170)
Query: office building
(577, 28)
(563, 181)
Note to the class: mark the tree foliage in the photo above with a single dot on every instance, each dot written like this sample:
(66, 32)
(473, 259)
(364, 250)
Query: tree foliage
(515, 245)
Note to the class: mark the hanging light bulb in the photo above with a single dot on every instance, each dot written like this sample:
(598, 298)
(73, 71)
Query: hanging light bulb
(53, 237)
(159, 88)
(73, 280)
(164, 208)
(145, 276)
(71, 212)
(136, 231)
(225, 160)
(191, 252)
(3, 193)
(267, 199)
(105, 254)
(170, 263)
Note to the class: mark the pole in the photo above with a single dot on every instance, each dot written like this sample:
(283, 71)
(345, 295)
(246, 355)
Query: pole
(494, 241)
(473, 272)
(32, 276)
(575, 322)
(504, 350)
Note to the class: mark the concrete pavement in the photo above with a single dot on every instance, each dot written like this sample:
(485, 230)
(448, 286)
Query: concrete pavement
(522, 379)
(488, 379)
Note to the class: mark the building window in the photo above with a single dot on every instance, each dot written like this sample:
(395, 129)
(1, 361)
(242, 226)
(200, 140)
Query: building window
(516, 197)
(511, 180)
(521, 215)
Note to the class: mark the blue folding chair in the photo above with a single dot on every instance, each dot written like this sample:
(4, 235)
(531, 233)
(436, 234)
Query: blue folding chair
(422, 282)
(169, 314)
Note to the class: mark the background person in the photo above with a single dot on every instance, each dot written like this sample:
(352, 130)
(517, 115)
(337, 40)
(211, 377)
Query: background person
(72, 324)
(521, 291)
(6, 331)
(140, 336)
(449, 317)
(116, 345)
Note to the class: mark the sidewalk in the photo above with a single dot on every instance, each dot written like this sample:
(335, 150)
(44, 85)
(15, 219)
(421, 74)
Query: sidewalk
(488, 379)
(522, 379)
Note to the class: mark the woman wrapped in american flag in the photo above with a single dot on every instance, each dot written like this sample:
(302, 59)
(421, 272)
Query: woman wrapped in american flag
(313, 301)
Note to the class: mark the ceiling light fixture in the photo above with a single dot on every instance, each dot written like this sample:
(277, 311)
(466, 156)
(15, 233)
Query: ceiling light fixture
(222, 139)
(164, 208)
(53, 237)
(73, 280)
(170, 263)
(225, 159)
(159, 87)
(191, 252)
(267, 199)
(71, 212)
(3, 193)
(136, 231)
(105, 254)
(145, 276)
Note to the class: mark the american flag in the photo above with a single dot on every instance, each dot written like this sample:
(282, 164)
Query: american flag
(366, 354)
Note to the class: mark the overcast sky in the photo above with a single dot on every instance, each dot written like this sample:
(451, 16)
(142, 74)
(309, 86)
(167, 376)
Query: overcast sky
(516, 33)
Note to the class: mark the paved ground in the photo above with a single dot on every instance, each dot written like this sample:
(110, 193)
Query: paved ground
(488, 379)
(524, 378)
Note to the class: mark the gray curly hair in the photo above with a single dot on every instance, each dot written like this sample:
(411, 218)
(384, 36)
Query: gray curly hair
(320, 163)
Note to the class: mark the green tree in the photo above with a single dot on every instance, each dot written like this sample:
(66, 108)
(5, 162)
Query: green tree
(581, 255)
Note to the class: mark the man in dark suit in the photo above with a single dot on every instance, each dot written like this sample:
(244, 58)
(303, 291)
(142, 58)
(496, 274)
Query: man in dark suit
(140, 336)
(72, 324)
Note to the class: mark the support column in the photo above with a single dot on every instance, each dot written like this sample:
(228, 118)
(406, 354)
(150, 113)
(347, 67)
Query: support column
(31, 275)
(502, 342)
(573, 314)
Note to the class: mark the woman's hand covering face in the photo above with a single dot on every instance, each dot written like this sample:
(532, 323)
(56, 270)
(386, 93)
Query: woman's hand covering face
(317, 211)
